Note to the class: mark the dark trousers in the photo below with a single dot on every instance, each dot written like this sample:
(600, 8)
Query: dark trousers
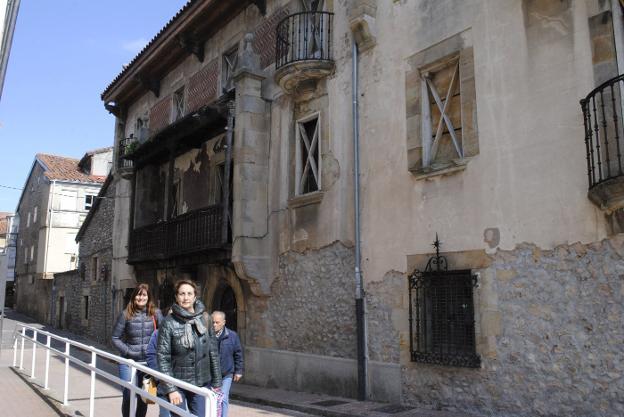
(141, 408)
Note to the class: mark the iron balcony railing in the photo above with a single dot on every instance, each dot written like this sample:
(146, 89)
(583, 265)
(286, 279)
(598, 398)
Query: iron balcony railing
(303, 36)
(191, 232)
(602, 115)
(126, 147)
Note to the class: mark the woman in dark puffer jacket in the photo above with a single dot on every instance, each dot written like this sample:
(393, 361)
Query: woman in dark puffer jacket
(187, 349)
(131, 335)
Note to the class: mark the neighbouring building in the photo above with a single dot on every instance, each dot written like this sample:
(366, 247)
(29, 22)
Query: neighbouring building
(234, 167)
(84, 297)
(58, 193)
(8, 238)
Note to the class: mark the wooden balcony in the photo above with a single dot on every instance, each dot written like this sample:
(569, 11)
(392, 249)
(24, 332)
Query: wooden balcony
(191, 233)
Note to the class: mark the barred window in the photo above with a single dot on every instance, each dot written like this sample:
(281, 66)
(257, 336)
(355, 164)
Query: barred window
(442, 327)
(178, 108)
(230, 61)
(308, 155)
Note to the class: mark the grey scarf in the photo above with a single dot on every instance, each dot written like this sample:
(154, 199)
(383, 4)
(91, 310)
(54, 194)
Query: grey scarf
(196, 319)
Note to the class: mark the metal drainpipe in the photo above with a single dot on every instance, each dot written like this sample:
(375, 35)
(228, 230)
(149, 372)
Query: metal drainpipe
(227, 171)
(360, 306)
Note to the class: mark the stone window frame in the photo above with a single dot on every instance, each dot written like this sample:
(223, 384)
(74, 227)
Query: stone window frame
(300, 142)
(458, 47)
(178, 104)
(229, 62)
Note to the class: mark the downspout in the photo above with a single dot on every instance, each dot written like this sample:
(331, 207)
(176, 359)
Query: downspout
(360, 306)
(231, 106)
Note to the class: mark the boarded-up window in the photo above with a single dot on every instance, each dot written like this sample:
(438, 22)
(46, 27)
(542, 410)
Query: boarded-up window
(441, 107)
(308, 155)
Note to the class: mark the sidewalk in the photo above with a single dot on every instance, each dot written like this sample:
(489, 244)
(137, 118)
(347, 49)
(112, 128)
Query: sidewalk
(108, 396)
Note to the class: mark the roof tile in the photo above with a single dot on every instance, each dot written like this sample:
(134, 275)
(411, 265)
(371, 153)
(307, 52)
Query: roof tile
(66, 169)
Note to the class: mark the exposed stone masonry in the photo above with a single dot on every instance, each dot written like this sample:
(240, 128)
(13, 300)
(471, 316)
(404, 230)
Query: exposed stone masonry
(312, 307)
(559, 351)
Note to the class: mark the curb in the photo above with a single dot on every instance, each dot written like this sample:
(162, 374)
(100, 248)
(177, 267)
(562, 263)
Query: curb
(288, 406)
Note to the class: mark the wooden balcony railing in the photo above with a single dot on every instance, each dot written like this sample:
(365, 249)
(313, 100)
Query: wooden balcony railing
(190, 233)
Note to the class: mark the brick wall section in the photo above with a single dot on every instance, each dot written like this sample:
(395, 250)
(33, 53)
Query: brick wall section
(96, 241)
(264, 39)
(160, 115)
(202, 86)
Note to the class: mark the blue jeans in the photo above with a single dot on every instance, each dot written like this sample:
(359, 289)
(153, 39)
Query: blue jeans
(225, 389)
(195, 403)
(162, 411)
(141, 408)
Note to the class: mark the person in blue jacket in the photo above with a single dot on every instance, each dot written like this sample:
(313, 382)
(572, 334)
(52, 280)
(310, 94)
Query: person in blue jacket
(231, 355)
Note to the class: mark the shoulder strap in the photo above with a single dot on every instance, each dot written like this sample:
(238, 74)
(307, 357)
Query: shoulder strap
(154, 321)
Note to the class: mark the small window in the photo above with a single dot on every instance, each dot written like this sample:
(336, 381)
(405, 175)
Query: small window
(25, 255)
(230, 60)
(28, 220)
(89, 200)
(95, 268)
(32, 253)
(35, 215)
(85, 300)
(308, 155)
(442, 325)
(178, 105)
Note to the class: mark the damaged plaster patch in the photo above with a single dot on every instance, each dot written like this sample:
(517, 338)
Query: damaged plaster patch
(331, 171)
(491, 236)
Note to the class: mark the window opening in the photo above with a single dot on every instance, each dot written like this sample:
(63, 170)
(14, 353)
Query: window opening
(441, 108)
(441, 314)
(308, 156)
(178, 104)
(230, 61)
(89, 200)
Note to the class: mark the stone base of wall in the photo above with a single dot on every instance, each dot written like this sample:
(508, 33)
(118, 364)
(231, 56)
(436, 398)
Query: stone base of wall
(34, 299)
(72, 288)
(556, 346)
(319, 374)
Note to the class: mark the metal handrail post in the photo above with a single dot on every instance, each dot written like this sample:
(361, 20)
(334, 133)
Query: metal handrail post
(133, 374)
(66, 382)
(14, 350)
(92, 392)
(22, 348)
(34, 355)
(47, 364)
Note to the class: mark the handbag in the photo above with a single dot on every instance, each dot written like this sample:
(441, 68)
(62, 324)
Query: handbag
(149, 385)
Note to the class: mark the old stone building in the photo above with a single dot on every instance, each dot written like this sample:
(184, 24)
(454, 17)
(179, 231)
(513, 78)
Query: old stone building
(84, 297)
(58, 193)
(235, 143)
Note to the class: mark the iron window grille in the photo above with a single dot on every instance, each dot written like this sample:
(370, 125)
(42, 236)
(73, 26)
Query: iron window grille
(441, 314)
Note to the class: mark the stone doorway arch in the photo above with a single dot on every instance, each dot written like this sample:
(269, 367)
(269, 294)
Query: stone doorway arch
(223, 291)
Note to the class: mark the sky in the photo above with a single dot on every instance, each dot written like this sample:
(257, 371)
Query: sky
(64, 54)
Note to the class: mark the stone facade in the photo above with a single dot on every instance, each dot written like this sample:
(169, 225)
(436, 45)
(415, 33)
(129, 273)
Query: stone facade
(515, 175)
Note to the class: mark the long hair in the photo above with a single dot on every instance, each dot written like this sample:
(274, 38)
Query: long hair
(132, 309)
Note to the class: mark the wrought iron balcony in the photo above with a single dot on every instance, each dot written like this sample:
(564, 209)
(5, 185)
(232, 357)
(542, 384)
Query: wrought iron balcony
(604, 142)
(303, 52)
(190, 233)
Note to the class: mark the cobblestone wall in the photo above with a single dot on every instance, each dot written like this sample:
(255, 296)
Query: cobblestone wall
(559, 351)
(312, 307)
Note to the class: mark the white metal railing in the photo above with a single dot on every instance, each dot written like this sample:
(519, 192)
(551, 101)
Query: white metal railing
(210, 396)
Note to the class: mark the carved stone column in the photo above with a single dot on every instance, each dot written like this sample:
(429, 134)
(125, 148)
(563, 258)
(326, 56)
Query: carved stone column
(251, 250)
